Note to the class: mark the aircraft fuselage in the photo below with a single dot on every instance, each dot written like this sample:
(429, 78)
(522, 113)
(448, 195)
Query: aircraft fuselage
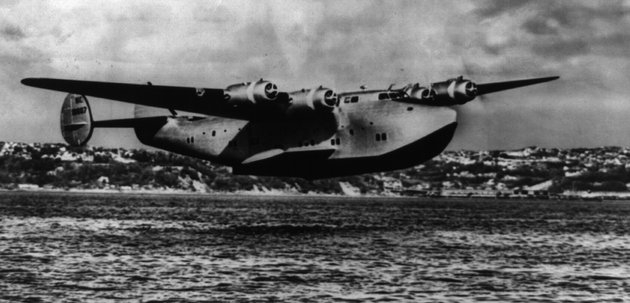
(365, 132)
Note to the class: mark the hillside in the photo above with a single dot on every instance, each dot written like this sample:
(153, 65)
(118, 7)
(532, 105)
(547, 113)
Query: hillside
(53, 166)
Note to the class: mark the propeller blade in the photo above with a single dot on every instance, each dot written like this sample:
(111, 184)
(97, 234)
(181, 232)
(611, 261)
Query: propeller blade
(487, 88)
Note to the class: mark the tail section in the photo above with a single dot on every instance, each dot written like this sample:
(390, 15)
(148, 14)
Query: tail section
(76, 120)
(77, 124)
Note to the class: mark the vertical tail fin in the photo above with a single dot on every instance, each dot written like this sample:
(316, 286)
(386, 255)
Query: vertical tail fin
(76, 120)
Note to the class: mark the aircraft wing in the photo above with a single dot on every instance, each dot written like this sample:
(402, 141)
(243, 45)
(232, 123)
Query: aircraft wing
(487, 88)
(207, 101)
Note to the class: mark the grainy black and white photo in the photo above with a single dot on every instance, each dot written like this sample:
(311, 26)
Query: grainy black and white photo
(315, 151)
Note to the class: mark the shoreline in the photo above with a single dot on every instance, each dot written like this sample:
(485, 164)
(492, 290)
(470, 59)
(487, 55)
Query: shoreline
(189, 193)
(99, 192)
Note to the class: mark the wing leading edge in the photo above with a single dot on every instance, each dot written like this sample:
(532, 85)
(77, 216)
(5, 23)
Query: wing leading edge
(207, 101)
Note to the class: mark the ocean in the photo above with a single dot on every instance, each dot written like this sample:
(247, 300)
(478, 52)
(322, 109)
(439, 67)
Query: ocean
(73, 247)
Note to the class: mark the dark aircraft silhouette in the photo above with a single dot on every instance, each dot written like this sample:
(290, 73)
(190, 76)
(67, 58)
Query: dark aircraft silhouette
(259, 130)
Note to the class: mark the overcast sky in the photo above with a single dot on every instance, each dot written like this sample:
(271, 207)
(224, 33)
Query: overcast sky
(340, 44)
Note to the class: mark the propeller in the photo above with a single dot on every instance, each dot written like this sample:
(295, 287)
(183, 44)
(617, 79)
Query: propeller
(474, 118)
(487, 88)
(479, 117)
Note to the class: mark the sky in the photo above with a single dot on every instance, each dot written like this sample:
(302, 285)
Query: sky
(339, 44)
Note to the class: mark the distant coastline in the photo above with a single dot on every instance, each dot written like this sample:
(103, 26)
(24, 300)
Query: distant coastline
(532, 172)
(578, 196)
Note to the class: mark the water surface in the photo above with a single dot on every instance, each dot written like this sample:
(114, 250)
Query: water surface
(132, 248)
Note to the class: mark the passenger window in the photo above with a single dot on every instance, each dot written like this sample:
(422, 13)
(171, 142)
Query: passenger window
(214, 133)
(384, 137)
(354, 99)
(378, 137)
(394, 96)
(338, 141)
(332, 141)
(346, 99)
(383, 96)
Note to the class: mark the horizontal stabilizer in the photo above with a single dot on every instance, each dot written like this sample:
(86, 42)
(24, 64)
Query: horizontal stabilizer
(127, 123)
(488, 88)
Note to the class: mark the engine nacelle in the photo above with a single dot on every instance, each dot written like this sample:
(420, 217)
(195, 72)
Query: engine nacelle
(257, 92)
(319, 99)
(417, 92)
(76, 120)
(455, 91)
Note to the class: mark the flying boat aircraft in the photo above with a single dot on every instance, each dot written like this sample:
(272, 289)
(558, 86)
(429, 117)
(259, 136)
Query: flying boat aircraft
(259, 130)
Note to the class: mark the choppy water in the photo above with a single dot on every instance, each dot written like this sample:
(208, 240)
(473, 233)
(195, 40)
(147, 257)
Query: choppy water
(132, 248)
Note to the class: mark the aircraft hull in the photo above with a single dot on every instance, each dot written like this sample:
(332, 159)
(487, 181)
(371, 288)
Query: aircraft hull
(315, 165)
(309, 167)
(357, 138)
